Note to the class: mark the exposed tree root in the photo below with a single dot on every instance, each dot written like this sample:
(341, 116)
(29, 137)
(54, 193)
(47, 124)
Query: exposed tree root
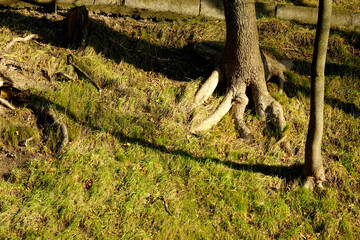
(311, 183)
(275, 68)
(19, 39)
(59, 74)
(265, 105)
(49, 116)
(314, 177)
(239, 107)
(12, 77)
(221, 110)
(6, 103)
(207, 88)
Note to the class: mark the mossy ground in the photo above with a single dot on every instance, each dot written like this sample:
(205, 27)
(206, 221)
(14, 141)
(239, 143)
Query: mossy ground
(130, 153)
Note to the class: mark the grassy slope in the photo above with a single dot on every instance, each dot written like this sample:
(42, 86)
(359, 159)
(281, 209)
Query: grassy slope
(344, 5)
(130, 148)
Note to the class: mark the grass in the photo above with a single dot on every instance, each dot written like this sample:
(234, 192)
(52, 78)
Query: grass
(130, 151)
(342, 5)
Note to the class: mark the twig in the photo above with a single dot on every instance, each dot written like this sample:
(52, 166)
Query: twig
(70, 60)
(19, 39)
(162, 198)
(6, 103)
(25, 142)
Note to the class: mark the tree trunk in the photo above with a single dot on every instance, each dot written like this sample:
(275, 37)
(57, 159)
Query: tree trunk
(314, 170)
(243, 67)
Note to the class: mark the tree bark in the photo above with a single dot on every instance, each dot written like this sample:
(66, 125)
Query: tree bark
(314, 170)
(243, 67)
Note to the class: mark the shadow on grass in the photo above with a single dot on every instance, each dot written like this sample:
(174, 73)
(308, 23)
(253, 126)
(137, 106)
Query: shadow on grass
(175, 63)
(292, 89)
(289, 173)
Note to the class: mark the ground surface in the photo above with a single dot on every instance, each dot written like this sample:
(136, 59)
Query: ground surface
(344, 5)
(132, 170)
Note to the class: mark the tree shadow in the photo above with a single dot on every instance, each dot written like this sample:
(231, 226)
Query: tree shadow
(289, 173)
(44, 6)
(179, 64)
(292, 89)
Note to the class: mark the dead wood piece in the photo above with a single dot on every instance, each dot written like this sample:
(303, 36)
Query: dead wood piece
(70, 60)
(7, 104)
(19, 39)
(59, 74)
(25, 142)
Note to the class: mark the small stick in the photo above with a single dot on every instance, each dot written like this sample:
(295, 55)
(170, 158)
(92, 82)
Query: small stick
(166, 205)
(70, 60)
(19, 39)
(6, 103)
(64, 75)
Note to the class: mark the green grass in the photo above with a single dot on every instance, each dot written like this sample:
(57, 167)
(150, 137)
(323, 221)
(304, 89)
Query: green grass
(129, 145)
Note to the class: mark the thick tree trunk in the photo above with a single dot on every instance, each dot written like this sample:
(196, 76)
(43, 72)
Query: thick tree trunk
(243, 67)
(314, 170)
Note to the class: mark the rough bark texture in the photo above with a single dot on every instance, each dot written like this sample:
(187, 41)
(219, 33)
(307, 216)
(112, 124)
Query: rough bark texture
(76, 24)
(314, 170)
(243, 67)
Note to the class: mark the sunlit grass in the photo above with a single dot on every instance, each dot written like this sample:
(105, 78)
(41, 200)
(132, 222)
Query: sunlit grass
(344, 5)
(130, 152)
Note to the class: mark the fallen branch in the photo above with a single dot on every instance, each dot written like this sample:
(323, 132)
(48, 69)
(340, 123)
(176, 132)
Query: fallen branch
(19, 39)
(70, 60)
(6, 103)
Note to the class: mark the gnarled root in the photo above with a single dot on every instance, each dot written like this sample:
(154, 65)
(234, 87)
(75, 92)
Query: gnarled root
(221, 110)
(207, 88)
(275, 68)
(265, 105)
(312, 182)
(49, 116)
(238, 108)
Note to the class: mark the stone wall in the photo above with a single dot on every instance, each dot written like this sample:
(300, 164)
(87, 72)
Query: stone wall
(208, 8)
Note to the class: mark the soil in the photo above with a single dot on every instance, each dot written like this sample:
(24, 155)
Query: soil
(12, 157)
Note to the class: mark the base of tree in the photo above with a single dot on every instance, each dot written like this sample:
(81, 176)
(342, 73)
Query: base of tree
(236, 98)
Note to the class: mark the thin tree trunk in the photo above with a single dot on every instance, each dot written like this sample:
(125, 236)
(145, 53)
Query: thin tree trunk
(314, 170)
